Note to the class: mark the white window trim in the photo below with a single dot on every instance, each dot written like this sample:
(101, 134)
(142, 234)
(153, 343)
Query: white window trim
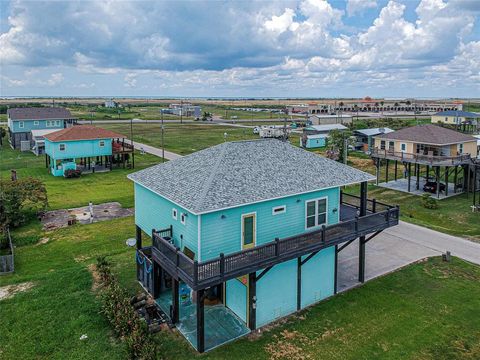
(276, 210)
(174, 214)
(60, 147)
(316, 213)
(183, 218)
(36, 123)
(402, 145)
(21, 124)
(101, 143)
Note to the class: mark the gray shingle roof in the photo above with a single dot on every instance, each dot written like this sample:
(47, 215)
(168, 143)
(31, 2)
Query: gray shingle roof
(39, 113)
(237, 173)
(428, 134)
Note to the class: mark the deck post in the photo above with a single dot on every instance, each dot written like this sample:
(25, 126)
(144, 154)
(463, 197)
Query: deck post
(474, 184)
(396, 168)
(437, 177)
(378, 171)
(157, 271)
(200, 321)
(138, 236)
(252, 301)
(455, 174)
(175, 309)
(409, 175)
(361, 240)
(386, 170)
(446, 180)
(418, 176)
(299, 283)
(335, 272)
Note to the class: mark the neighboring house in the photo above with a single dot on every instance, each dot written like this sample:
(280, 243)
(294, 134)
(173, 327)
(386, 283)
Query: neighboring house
(21, 122)
(326, 119)
(313, 141)
(251, 225)
(478, 145)
(38, 140)
(86, 148)
(456, 117)
(364, 137)
(433, 146)
(110, 103)
(324, 129)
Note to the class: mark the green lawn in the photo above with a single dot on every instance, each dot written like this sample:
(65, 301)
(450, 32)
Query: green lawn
(426, 311)
(184, 139)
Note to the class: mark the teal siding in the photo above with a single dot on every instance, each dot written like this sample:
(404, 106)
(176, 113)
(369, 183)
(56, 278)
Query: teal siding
(277, 292)
(78, 149)
(236, 298)
(29, 125)
(224, 235)
(155, 212)
(315, 143)
(318, 276)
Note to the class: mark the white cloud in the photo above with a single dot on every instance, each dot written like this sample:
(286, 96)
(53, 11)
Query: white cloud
(55, 79)
(359, 6)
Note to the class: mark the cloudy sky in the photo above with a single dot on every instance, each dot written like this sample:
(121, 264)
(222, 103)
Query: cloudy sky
(317, 48)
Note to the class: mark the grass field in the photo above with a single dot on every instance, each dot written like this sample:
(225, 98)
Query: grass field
(426, 311)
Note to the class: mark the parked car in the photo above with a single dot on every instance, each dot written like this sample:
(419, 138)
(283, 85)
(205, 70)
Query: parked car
(431, 187)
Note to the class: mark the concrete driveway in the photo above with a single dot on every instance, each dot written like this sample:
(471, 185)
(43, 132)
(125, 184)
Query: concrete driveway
(397, 247)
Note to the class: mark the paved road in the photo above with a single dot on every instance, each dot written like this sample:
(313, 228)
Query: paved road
(156, 151)
(399, 246)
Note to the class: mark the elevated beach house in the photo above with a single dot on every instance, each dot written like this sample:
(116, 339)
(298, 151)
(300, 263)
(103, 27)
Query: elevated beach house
(86, 148)
(439, 159)
(247, 232)
(21, 122)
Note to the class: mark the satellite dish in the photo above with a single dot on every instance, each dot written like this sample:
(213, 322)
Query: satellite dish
(131, 242)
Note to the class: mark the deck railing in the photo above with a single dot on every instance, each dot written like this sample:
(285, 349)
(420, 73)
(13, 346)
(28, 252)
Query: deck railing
(200, 275)
(145, 268)
(421, 158)
(121, 146)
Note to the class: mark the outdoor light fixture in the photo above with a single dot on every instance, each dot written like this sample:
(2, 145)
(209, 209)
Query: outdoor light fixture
(222, 217)
(298, 200)
(334, 210)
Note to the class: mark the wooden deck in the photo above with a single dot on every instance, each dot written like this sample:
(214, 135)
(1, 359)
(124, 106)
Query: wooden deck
(421, 159)
(213, 272)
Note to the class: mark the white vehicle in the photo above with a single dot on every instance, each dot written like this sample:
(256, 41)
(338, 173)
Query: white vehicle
(256, 130)
(273, 132)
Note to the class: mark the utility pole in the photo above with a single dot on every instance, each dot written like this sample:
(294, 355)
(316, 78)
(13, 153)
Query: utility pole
(345, 150)
(163, 145)
(285, 125)
(181, 112)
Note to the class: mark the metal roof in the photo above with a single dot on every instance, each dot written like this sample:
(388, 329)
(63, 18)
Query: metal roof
(374, 131)
(327, 127)
(457, 113)
(238, 173)
(39, 113)
(43, 132)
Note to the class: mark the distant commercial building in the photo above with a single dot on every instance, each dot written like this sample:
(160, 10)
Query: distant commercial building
(324, 129)
(456, 117)
(21, 122)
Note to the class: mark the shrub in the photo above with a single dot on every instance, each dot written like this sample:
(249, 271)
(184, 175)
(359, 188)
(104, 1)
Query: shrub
(72, 173)
(428, 202)
(122, 317)
(18, 198)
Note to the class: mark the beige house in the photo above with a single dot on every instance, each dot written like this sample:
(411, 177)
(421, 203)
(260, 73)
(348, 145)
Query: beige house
(455, 117)
(441, 151)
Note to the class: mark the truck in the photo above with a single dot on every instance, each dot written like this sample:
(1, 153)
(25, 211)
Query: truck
(272, 131)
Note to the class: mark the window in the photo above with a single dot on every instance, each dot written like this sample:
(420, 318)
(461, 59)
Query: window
(50, 123)
(403, 147)
(183, 218)
(460, 148)
(391, 145)
(382, 144)
(102, 143)
(279, 210)
(57, 122)
(21, 124)
(62, 147)
(36, 123)
(174, 214)
(316, 212)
